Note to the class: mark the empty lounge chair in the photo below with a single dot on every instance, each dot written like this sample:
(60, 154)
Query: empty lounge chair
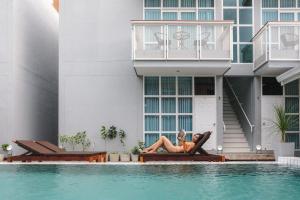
(45, 151)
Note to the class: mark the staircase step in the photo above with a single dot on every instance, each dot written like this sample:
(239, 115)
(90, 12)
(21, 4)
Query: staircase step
(235, 122)
(233, 135)
(234, 131)
(236, 145)
(234, 140)
(228, 127)
(230, 149)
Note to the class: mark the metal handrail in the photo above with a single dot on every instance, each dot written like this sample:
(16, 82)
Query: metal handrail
(240, 105)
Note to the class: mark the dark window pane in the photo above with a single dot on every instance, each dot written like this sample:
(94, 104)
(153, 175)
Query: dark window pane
(168, 85)
(151, 86)
(229, 2)
(246, 16)
(151, 138)
(288, 3)
(269, 3)
(170, 3)
(269, 15)
(153, 14)
(245, 3)
(230, 14)
(234, 53)
(292, 105)
(294, 126)
(168, 105)
(246, 53)
(185, 85)
(185, 105)
(151, 123)
(234, 34)
(204, 86)
(152, 3)
(245, 34)
(271, 86)
(185, 122)
(292, 88)
(151, 105)
(168, 123)
(206, 3)
(293, 137)
(188, 3)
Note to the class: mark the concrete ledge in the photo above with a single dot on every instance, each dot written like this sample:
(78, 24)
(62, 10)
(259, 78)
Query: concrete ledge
(292, 161)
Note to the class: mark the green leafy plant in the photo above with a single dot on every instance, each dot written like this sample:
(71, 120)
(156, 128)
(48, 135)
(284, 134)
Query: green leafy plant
(72, 141)
(282, 122)
(4, 147)
(82, 139)
(63, 139)
(122, 136)
(141, 145)
(135, 150)
(112, 132)
(104, 134)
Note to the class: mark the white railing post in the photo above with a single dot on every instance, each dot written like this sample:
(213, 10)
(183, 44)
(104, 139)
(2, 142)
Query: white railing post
(200, 42)
(166, 41)
(269, 42)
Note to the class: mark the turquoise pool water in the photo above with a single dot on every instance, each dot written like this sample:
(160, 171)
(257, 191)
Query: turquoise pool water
(157, 182)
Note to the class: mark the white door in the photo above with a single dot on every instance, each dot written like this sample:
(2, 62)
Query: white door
(205, 118)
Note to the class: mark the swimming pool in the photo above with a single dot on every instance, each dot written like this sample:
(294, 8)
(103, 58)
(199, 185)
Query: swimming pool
(157, 182)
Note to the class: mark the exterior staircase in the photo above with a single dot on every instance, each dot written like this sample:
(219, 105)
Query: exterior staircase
(234, 139)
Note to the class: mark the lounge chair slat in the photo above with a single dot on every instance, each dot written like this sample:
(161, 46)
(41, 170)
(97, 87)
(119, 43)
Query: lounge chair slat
(50, 146)
(33, 147)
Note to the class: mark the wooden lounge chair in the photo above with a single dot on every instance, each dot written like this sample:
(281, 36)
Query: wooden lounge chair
(45, 151)
(196, 154)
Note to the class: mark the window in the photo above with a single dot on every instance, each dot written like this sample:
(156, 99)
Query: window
(168, 107)
(283, 10)
(204, 86)
(270, 86)
(240, 11)
(292, 97)
(179, 9)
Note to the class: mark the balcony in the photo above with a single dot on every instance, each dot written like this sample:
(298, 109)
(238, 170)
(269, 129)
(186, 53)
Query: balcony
(276, 48)
(185, 47)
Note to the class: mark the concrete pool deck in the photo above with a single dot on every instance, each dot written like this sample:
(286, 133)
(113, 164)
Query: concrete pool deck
(291, 161)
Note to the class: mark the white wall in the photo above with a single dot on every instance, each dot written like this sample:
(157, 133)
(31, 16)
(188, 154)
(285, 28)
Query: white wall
(98, 84)
(205, 118)
(5, 69)
(28, 70)
(35, 70)
(269, 138)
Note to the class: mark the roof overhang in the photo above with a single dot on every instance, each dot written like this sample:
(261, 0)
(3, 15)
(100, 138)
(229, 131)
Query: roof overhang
(171, 68)
(275, 67)
(289, 76)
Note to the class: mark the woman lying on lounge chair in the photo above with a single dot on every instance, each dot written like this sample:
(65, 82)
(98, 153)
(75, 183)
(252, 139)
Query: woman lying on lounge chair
(165, 143)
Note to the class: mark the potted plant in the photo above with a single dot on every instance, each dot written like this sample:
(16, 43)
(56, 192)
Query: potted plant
(110, 134)
(4, 149)
(63, 140)
(282, 123)
(135, 152)
(81, 139)
(125, 156)
(72, 141)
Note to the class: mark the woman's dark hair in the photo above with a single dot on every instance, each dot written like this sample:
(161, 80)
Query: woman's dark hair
(199, 136)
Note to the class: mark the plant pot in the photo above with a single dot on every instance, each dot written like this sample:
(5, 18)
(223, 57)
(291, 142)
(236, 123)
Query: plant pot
(114, 157)
(134, 158)
(285, 149)
(125, 157)
(1, 157)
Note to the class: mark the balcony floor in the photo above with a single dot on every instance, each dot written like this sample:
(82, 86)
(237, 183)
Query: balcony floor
(154, 68)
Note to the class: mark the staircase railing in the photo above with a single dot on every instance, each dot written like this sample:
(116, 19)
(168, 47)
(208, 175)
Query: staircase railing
(247, 126)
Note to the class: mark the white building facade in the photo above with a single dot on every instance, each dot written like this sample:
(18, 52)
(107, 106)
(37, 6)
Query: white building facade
(153, 67)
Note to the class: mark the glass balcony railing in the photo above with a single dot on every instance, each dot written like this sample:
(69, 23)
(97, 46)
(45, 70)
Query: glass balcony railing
(182, 40)
(277, 41)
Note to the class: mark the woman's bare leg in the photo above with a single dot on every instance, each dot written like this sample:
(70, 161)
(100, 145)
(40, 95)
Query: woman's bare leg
(166, 144)
(159, 142)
